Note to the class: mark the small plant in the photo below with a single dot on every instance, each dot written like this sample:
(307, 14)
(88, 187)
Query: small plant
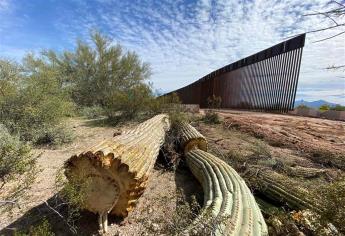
(260, 149)
(211, 117)
(42, 229)
(72, 194)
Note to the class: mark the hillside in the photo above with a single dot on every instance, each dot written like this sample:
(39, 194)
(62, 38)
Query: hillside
(314, 104)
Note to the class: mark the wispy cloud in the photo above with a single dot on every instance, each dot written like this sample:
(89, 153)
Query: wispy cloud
(184, 40)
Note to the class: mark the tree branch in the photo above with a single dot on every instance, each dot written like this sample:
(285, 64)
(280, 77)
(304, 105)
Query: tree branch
(329, 37)
(71, 227)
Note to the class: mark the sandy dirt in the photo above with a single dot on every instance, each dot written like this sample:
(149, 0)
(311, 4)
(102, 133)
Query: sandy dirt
(148, 215)
(275, 141)
(313, 136)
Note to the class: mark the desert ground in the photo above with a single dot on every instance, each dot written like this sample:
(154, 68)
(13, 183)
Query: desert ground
(267, 142)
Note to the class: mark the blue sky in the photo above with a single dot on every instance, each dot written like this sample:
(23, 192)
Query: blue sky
(182, 40)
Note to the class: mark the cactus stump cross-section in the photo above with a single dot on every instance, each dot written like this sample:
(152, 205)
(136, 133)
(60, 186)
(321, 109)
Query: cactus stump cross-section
(116, 170)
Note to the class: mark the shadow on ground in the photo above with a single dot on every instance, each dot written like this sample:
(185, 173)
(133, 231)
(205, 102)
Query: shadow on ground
(86, 224)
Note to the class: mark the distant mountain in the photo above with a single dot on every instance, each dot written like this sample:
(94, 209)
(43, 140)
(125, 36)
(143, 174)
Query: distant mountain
(314, 104)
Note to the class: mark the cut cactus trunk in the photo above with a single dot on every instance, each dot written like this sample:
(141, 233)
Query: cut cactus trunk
(191, 138)
(116, 170)
(280, 189)
(305, 172)
(229, 207)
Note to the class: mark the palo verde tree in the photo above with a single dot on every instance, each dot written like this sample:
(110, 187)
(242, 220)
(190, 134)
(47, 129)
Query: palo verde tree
(103, 74)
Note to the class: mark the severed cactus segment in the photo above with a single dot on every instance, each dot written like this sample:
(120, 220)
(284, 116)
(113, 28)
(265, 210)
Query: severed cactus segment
(229, 207)
(305, 172)
(191, 138)
(281, 189)
(228, 202)
(116, 170)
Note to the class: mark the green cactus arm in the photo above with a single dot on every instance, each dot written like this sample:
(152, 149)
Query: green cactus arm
(281, 189)
(191, 138)
(227, 199)
(236, 210)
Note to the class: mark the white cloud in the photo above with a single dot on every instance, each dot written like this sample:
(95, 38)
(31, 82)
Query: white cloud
(185, 41)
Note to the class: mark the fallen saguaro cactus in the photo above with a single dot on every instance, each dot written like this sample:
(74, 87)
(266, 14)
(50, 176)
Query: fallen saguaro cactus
(229, 206)
(305, 172)
(191, 138)
(116, 170)
(279, 188)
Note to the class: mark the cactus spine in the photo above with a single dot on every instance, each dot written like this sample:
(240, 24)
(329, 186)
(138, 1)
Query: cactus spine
(117, 169)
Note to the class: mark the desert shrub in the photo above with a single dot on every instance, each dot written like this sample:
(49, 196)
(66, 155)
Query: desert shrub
(92, 112)
(71, 195)
(324, 107)
(338, 108)
(260, 149)
(103, 74)
(54, 135)
(17, 165)
(211, 117)
(214, 102)
(36, 102)
(166, 104)
(130, 103)
(42, 229)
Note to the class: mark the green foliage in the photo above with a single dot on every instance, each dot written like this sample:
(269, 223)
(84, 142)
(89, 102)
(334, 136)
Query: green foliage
(324, 107)
(73, 191)
(211, 117)
(17, 165)
(129, 103)
(166, 104)
(42, 229)
(214, 102)
(55, 135)
(36, 102)
(92, 112)
(100, 75)
(338, 108)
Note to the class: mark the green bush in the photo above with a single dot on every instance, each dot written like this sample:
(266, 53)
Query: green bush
(324, 107)
(92, 112)
(42, 229)
(129, 103)
(36, 104)
(338, 108)
(55, 135)
(211, 117)
(17, 164)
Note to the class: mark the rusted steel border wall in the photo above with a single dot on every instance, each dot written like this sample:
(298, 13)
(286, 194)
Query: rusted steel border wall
(265, 81)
